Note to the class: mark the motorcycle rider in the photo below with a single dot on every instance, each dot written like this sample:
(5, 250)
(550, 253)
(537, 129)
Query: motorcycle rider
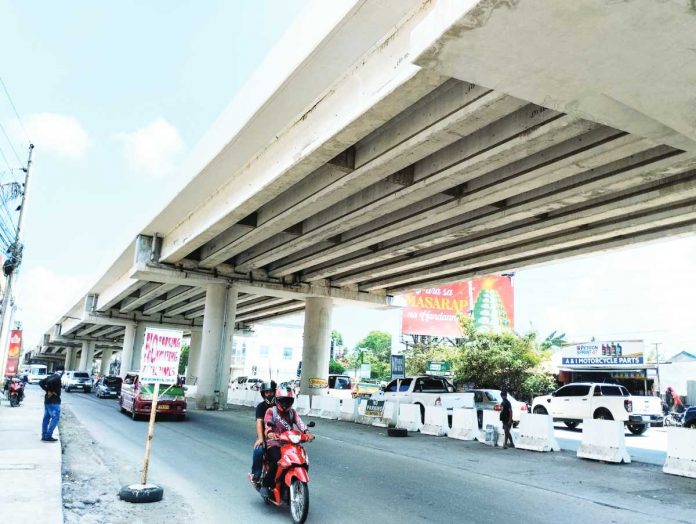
(267, 390)
(278, 419)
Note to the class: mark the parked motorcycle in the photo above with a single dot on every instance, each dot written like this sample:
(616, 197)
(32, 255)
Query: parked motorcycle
(291, 486)
(15, 392)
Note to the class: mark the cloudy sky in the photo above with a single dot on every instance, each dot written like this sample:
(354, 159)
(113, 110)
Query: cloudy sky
(116, 94)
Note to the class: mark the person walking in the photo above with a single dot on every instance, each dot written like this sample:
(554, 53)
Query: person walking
(506, 419)
(51, 385)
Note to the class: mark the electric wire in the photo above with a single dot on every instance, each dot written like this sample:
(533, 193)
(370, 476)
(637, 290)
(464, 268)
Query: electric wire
(2, 128)
(2, 154)
(14, 108)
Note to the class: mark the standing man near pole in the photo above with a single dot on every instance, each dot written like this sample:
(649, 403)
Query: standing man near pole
(506, 419)
(51, 385)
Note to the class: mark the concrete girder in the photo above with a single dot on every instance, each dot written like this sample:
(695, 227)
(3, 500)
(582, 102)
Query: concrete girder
(479, 109)
(502, 230)
(263, 303)
(115, 293)
(174, 300)
(595, 233)
(192, 304)
(523, 262)
(283, 307)
(148, 293)
(380, 86)
(89, 329)
(108, 330)
(300, 291)
(195, 314)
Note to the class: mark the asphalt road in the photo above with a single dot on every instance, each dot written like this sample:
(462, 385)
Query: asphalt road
(358, 473)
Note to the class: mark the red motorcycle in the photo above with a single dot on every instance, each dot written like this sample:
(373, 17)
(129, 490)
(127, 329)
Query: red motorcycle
(15, 391)
(292, 480)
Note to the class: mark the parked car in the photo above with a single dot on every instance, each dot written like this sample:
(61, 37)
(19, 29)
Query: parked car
(72, 380)
(425, 390)
(136, 398)
(107, 387)
(251, 383)
(574, 402)
(490, 399)
(690, 418)
(340, 386)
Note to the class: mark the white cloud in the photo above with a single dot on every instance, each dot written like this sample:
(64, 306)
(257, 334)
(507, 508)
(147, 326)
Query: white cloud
(152, 150)
(59, 134)
(42, 296)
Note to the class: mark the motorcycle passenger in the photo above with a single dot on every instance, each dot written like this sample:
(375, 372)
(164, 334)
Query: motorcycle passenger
(267, 390)
(278, 419)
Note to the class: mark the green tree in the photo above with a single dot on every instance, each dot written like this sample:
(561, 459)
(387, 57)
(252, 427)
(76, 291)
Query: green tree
(378, 343)
(336, 367)
(183, 362)
(553, 340)
(336, 338)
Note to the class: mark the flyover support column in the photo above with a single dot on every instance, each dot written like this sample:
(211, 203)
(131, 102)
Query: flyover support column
(211, 342)
(317, 343)
(127, 352)
(223, 380)
(194, 357)
(138, 345)
(69, 357)
(86, 356)
(105, 359)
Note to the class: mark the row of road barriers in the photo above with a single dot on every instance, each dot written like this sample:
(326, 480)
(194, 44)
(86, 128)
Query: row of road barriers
(602, 440)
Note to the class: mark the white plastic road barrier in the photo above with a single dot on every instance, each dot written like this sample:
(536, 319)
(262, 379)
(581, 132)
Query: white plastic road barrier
(409, 417)
(603, 440)
(388, 417)
(536, 433)
(301, 404)
(349, 410)
(330, 408)
(360, 418)
(681, 452)
(232, 397)
(464, 424)
(435, 421)
(491, 418)
(316, 405)
(252, 398)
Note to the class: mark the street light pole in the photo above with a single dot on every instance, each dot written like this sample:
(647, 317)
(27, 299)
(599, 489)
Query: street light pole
(657, 367)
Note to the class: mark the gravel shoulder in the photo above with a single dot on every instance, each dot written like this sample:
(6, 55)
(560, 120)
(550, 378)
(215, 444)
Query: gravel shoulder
(92, 477)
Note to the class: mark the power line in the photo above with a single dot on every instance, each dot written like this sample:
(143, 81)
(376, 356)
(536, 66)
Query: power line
(2, 154)
(10, 142)
(19, 119)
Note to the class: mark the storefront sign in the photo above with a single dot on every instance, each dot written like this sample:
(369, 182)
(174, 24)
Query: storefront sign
(159, 363)
(13, 351)
(398, 369)
(438, 367)
(374, 408)
(611, 353)
(318, 383)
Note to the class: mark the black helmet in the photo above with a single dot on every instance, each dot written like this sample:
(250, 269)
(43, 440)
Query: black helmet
(268, 386)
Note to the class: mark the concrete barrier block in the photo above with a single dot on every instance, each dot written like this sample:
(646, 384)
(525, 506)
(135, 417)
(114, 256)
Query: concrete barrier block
(603, 440)
(330, 408)
(491, 418)
(388, 417)
(464, 424)
(301, 404)
(409, 417)
(349, 410)
(681, 452)
(316, 405)
(435, 421)
(252, 398)
(360, 418)
(232, 396)
(536, 433)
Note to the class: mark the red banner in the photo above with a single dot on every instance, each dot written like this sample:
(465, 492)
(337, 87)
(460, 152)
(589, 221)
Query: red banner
(434, 311)
(12, 366)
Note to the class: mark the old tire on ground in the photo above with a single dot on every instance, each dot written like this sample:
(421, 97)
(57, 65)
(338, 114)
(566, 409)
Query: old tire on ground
(299, 501)
(603, 414)
(637, 429)
(540, 410)
(141, 493)
(397, 432)
(571, 424)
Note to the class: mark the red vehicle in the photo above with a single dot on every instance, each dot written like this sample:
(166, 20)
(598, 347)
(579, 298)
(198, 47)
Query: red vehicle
(136, 399)
(15, 391)
(292, 480)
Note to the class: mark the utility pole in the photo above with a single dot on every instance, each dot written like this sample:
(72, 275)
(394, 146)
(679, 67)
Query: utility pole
(657, 366)
(16, 248)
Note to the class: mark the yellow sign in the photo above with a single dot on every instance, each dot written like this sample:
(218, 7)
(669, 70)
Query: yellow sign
(318, 383)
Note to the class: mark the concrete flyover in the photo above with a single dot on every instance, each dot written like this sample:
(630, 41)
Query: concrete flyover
(387, 146)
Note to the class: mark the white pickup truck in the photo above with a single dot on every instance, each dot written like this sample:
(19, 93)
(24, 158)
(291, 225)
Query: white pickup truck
(574, 402)
(426, 390)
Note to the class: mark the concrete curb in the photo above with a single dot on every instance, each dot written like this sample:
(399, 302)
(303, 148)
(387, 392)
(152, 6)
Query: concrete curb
(30, 470)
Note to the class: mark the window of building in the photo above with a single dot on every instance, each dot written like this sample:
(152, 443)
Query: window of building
(287, 353)
(263, 351)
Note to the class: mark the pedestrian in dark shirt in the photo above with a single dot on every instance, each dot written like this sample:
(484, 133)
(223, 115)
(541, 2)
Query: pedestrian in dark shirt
(506, 419)
(51, 385)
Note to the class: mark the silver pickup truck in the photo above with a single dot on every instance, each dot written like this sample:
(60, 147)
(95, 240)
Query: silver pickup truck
(426, 390)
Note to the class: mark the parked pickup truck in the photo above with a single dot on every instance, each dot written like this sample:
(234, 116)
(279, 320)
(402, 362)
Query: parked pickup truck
(426, 390)
(574, 402)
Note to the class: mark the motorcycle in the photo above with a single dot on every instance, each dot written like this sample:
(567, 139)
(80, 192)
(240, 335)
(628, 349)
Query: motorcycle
(291, 486)
(15, 392)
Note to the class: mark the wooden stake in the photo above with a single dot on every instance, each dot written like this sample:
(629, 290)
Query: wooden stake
(150, 433)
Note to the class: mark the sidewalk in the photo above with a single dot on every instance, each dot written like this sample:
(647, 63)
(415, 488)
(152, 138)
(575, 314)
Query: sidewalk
(30, 470)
